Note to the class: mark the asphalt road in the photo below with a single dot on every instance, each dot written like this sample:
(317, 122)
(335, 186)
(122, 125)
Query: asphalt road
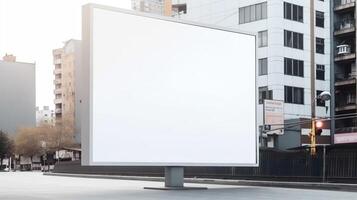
(32, 185)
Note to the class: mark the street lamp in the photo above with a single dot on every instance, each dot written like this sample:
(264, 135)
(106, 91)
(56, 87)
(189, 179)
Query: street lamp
(324, 96)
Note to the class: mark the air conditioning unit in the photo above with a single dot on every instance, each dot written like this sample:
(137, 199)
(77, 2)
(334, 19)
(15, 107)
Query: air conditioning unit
(343, 49)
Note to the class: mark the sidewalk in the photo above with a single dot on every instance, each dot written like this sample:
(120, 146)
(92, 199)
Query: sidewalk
(301, 185)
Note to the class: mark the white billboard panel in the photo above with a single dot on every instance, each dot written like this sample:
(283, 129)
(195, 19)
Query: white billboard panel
(159, 92)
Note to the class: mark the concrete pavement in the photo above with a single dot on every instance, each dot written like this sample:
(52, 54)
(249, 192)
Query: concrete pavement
(32, 185)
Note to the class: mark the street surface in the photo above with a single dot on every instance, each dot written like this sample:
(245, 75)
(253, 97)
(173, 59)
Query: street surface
(34, 185)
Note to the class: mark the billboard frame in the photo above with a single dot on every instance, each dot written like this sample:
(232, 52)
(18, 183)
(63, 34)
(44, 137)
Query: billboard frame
(86, 98)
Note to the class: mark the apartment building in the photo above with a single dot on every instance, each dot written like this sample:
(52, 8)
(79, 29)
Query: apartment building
(45, 116)
(344, 64)
(66, 60)
(18, 94)
(293, 55)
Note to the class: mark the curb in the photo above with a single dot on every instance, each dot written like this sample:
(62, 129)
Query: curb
(296, 185)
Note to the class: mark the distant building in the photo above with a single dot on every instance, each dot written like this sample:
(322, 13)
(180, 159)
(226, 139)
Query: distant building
(160, 7)
(9, 58)
(18, 94)
(66, 60)
(45, 116)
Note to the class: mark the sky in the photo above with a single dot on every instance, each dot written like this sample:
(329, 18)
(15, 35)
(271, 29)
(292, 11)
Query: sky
(31, 29)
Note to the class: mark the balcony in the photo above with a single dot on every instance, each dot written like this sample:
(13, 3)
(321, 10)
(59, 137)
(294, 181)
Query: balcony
(58, 110)
(344, 5)
(345, 52)
(57, 61)
(345, 79)
(57, 101)
(344, 27)
(58, 91)
(345, 82)
(347, 102)
(346, 130)
(57, 71)
(57, 81)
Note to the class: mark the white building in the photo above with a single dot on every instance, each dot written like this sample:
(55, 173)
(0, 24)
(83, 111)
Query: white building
(284, 49)
(45, 116)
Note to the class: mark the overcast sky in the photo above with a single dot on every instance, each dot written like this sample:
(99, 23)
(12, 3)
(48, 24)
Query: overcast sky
(31, 29)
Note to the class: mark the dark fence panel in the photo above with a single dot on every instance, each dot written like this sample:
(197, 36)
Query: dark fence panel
(299, 165)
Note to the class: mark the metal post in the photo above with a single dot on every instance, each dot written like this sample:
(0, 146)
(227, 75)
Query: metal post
(324, 165)
(174, 180)
(10, 164)
(174, 177)
(312, 76)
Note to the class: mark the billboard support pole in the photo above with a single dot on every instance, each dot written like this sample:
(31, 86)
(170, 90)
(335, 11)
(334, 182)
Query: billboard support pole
(174, 177)
(174, 180)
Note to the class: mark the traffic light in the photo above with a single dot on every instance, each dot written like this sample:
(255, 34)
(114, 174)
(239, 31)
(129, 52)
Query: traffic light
(318, 127)
(316, 130)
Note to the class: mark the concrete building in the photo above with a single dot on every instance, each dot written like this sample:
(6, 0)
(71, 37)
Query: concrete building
(66, 60)
(45, 116)
(160, 7)
(344, 67)
(293, 53)
(18, 94)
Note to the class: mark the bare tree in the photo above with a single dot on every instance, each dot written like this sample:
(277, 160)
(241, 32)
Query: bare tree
(28, 142)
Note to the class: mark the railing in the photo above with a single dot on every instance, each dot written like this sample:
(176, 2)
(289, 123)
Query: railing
(344, 24)
(346, 130)
(347, 100)
(299, 165)
(343, 2)
(344, 49)
(344, 76)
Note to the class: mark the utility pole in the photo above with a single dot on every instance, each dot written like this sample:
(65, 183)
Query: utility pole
(312, 76)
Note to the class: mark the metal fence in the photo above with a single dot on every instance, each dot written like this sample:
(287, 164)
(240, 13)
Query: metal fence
(340, 166)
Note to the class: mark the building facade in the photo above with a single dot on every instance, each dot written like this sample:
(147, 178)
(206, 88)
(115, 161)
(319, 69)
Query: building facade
(344, 64)
(161, 7)
(293, 53)
(45, 116)
(18, 94)
(66, 60)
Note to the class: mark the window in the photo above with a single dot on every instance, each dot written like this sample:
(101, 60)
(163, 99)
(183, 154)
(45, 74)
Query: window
(264, 93)
(293, 12)
(320, 19)
(293, 67)
(180, 8)
(293, 39)
(320, 72)
(253, 13)
(320, 45)
(262, 38)
(319, 102)
(263, 66)
(294, 95)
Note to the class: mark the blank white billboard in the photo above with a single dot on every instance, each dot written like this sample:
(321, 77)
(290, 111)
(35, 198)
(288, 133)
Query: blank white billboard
(160, 92)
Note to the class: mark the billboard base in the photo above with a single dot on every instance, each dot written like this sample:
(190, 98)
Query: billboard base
(174, 180)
